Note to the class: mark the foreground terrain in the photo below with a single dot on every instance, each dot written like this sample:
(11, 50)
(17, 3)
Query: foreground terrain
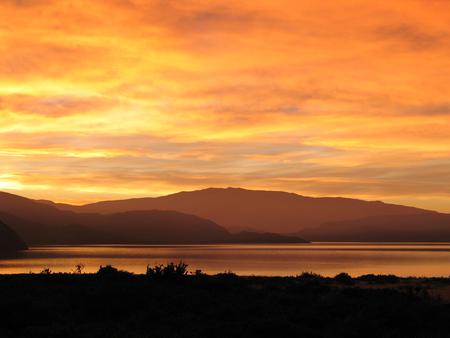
(169, 303)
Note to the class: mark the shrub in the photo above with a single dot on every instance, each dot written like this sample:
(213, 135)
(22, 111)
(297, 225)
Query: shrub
(227, 275)
(171, 270)
(110, 271)
(46, 271)
(371, 278)
(309, 276)
(78, 269)
(199, 273)
(343, 277)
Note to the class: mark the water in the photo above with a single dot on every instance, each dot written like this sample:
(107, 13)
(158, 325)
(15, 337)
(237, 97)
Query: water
(328, 259)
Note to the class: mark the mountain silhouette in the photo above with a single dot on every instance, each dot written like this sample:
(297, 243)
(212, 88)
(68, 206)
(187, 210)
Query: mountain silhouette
(208, 216)
(264, 211)
(431, 227)
(9, 240)
(265, 237)
(40, 223)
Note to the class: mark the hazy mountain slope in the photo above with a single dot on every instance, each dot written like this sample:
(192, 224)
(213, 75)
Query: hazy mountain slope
(36, 212)
(44, 224)
(414, 227)
(38, 223)
(157, 226)
(9, 240)
(266, 211)
(41, 223)
(266, 237)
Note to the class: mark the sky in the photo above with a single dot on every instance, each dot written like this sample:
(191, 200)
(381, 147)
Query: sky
(113, 99)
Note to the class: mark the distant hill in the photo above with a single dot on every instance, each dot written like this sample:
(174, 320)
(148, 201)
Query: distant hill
(263, 211)
(9, 241)
(170, 219)
(266, 237)
(432, 227)
(42, 223)
(156, 226)
(174, 227)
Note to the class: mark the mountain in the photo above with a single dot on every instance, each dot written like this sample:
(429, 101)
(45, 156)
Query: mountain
(41, 222)
(9, 241)
(262, 211)
(194, 217)
(156, 226)
(174, 227)
(266, 237)
(432, 227)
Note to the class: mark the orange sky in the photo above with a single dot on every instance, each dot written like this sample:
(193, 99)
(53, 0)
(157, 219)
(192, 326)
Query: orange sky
(118, 98)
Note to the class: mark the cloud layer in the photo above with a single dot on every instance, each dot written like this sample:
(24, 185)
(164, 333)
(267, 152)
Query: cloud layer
(116, 98)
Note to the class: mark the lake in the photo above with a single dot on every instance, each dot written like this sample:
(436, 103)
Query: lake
(328, 259)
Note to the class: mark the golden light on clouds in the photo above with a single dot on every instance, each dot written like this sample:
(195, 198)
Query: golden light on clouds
(120, 98)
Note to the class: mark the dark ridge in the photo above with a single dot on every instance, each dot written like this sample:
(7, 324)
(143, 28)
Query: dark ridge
(261, 211)
(267, 237)
(42, 223)
(433, 227)
(10, 242)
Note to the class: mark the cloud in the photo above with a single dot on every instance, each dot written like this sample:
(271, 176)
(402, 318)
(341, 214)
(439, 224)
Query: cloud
(117, 98)
(429, 109)
(53, 106)
(412, 37)
(28, 3)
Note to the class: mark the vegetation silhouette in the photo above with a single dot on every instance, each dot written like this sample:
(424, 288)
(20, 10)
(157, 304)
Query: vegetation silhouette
(109, 271)
(344, 278)
(46, 271)
(79, 269)
(387, 279)
(114, 303)
(168, 271)
(309, 276)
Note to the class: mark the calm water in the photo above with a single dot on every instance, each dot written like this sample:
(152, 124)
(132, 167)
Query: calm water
(405, 259)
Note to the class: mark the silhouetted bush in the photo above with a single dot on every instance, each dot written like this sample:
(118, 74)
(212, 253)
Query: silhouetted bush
(46, 271)
(344, 278)
(169, 271)
(199, 273)
(371, 278)
(309, 276)
(110, 271)
(219, 306)
(227, 275)
(78, 269)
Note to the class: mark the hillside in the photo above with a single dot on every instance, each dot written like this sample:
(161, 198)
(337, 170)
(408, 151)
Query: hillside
(207, 216)
(432, 227)
(41, 223)
(9, 240)
(264, 211)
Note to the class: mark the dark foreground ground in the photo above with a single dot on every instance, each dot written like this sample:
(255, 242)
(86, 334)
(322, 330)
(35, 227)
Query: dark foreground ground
(114, 304)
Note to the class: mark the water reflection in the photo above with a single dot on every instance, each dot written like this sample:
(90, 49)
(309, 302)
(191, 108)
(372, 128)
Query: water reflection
(403, 259)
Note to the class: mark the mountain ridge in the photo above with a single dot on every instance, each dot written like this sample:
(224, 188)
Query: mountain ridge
(410, 228)
(10, 242)
(234, 209)
(40, 223)
(259, 210)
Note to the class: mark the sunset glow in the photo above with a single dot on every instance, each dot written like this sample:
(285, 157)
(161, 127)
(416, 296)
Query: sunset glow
(125, 98)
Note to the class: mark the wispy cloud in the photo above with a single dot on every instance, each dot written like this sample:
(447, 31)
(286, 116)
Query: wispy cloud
(115, 98)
